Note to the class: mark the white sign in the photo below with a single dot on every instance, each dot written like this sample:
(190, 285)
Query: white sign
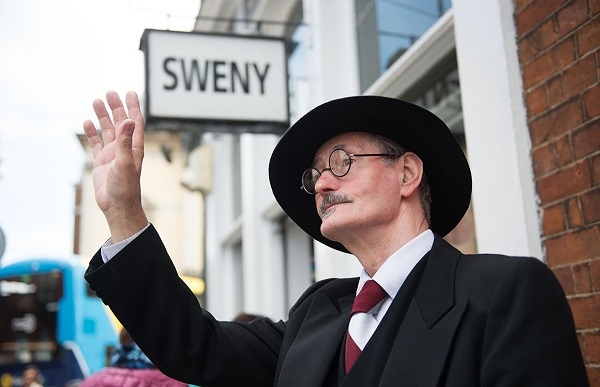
(216, 78)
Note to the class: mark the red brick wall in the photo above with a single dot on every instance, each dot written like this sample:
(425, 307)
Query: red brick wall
(559, 53)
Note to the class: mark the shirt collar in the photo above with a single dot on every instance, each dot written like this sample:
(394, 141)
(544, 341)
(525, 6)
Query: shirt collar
(393, 272)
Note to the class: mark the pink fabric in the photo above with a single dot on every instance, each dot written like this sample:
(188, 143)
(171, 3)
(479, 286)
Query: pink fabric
(125, 377)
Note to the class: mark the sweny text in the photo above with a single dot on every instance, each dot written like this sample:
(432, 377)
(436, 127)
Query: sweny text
(217, 76)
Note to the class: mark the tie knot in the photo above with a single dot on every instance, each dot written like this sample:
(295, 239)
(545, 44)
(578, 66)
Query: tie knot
(370, 295)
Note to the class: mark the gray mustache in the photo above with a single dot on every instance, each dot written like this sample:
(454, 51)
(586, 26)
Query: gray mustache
(330, 199)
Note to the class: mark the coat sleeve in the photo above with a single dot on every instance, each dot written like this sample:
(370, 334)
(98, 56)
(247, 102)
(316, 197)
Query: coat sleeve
(530, 337)
(143, 289)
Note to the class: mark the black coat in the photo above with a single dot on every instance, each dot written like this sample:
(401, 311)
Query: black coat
(458, 320)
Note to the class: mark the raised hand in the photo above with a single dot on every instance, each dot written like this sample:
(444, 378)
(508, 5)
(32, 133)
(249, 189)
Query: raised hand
(118, 156)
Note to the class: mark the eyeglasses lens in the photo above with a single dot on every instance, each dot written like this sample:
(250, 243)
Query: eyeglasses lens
(339, 162)
(309, 180)
(339, 165)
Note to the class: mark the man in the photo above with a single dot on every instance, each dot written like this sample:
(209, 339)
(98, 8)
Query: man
(374, 176)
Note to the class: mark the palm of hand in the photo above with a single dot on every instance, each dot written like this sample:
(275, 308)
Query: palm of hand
(118, 158)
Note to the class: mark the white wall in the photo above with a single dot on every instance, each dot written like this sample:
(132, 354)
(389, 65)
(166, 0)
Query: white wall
(498, 142)
(263, 263)
(333, 73)
(222, 280)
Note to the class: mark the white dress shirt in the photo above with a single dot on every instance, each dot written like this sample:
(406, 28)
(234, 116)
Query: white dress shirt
(109, 250)
(392, 274)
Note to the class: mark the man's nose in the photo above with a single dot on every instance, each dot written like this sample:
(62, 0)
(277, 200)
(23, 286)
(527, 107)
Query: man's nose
(327, 182)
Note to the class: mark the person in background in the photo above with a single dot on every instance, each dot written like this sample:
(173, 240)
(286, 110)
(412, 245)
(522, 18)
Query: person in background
(32, 376)
(377, 177)
(130, 367)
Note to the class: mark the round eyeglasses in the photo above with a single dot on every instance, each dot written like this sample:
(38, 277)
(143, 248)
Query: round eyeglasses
(339, 164)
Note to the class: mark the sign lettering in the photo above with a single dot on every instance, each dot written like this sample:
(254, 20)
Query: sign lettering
(226, 76)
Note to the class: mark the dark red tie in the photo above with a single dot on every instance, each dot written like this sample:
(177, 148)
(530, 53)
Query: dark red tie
(369, 296)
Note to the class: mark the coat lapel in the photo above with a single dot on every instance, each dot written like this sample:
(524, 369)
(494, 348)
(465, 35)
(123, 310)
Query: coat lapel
(419, 354)
(318, 342)
(425, 337)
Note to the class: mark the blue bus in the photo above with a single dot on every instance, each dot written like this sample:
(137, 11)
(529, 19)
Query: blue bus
(49, 317)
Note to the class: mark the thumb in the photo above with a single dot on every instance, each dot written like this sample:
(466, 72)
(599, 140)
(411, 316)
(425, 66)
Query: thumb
(125, 136)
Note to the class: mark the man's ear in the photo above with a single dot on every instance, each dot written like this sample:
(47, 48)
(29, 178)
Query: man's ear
(412, 173)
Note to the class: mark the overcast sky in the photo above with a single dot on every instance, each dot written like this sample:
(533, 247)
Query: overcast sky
(56, 57)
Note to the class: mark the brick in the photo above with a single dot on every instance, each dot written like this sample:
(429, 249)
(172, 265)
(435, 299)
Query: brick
(553, 220)
(571, 17)
(583, 279)
(549, 63)
(573, 247)
(580, 76)
(590, 205)
(565, 183)
(596, 170)
(595, 272)
(549, 34)
(535, 12)
(557, 122)
(593, 374)
(574, 218)
(555, 90)
(544, 159)
(536, 101)
(563, 151)
(595, 6)
(532, 44)
(581, 340)
(591, 102)
(586, 140)
(586, 311)
(587, 36)
(592, 346)
(519, 4)
(564, 275)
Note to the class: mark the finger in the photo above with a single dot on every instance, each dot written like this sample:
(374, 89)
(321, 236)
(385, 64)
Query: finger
(92, 136)
(106, 124)
(118, 111)
(125, 141)
(133, 106)
(135, 113)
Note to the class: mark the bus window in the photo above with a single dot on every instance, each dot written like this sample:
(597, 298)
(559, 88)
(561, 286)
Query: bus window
(29, 306)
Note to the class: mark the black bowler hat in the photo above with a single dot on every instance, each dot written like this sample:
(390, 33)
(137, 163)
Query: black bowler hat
(412, 127)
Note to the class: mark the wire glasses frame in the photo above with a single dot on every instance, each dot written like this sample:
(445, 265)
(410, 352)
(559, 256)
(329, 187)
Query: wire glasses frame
(339, 164)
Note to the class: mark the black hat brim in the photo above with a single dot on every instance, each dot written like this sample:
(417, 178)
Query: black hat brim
(414, 128)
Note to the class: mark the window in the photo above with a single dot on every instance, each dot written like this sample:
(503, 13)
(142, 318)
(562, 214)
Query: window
(29, 306)
(387, 28)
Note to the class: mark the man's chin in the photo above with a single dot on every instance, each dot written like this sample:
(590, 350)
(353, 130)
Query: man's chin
(331, 231)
